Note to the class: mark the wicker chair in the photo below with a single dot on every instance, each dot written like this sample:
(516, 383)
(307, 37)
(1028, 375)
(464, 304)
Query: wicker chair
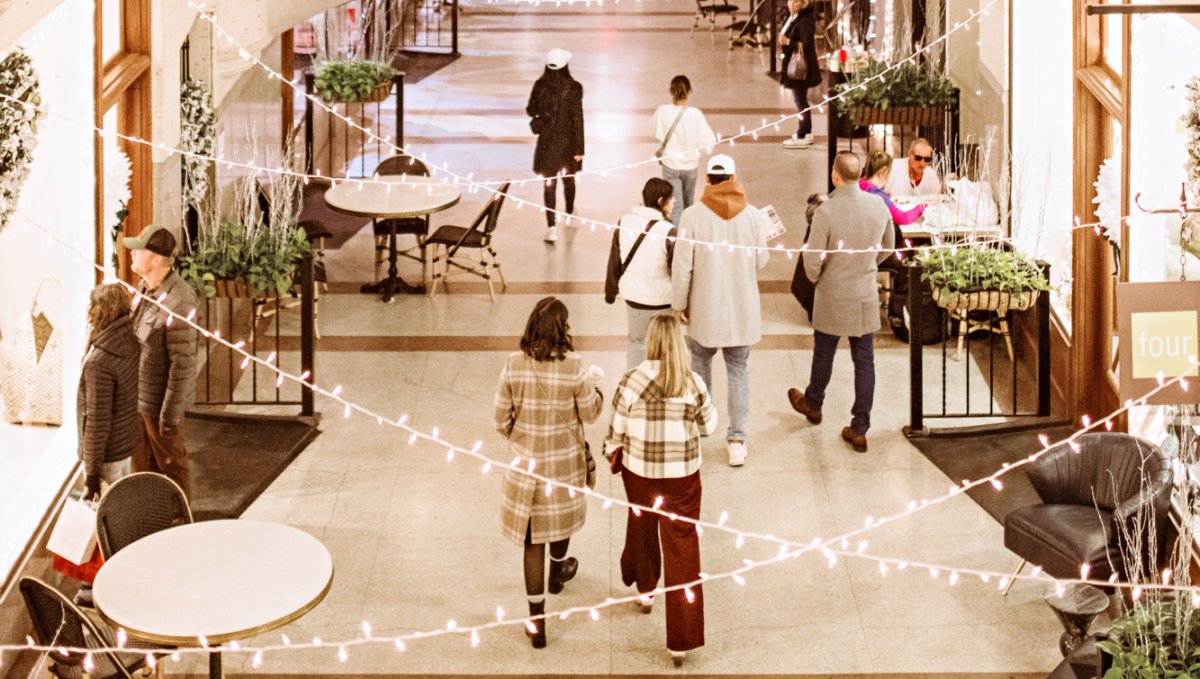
(415, 226)
(136, 506)
(478, 236)
(59, 622)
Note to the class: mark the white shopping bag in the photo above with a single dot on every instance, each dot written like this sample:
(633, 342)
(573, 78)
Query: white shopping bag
(74, 535)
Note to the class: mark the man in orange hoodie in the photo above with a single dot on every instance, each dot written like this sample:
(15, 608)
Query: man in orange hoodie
(715, 289)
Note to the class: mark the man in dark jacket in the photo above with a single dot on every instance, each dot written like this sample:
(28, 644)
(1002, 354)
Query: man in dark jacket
(167, 373)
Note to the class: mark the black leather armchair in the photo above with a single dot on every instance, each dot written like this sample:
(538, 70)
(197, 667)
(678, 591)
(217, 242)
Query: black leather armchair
(1099, 505)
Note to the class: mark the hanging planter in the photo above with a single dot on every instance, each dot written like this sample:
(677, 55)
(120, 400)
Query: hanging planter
(1000, 301)
(982, 279)
(898, 115)
(909, 94)
(353, 81)
(18, 127)
(240, 289)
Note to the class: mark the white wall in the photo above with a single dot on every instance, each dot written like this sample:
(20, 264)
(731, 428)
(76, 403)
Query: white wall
(58, 195)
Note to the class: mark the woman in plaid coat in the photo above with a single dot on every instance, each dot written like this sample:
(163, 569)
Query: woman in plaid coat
(660, 410)
(542, 402)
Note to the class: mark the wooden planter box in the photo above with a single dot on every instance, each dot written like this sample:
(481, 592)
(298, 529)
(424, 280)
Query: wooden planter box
(983, 300)
(898, 115)
(240, 289)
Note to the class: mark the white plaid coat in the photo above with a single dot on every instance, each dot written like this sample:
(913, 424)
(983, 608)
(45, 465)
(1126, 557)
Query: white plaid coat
(540, 409)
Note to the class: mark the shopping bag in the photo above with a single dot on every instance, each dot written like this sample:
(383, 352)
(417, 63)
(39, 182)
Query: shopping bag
(31, 370)
(74, 535)
(85, 573)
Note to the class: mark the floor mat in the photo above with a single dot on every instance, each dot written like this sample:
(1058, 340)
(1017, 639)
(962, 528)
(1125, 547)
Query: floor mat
(978, 456)
(420, 65)
(234, 460)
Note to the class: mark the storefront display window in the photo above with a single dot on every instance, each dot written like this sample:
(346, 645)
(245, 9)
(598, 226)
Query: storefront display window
(43, 286)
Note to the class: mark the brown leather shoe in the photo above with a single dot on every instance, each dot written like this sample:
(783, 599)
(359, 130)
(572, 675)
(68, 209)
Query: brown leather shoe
(857, 441)
(800, 405)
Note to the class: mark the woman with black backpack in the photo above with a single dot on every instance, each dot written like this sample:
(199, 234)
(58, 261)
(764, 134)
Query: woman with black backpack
(556, 112)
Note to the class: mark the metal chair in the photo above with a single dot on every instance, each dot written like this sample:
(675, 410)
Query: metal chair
(478, 236)
(136, 506)
(710, 10)
(57, 621)
(416, 226)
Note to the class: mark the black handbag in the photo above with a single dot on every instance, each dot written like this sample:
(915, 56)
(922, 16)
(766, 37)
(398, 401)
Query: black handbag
(802, 288)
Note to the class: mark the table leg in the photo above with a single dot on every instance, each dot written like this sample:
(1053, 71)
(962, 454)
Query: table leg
(393, 284)
(215, 670)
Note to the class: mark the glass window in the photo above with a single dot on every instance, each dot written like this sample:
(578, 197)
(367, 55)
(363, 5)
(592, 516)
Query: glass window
(111, 30)
(1110, 38)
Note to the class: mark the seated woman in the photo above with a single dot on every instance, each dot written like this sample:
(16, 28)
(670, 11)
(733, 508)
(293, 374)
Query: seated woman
(875, 176)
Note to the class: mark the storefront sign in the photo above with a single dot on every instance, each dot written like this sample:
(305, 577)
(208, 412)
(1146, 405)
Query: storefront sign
(1159, 326)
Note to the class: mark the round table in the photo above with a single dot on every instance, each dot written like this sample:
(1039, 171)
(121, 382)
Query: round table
(221, 580)
(1076, 608)
(392, 197)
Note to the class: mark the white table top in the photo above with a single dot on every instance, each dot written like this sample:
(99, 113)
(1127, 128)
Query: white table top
(396, 197)
(223, 580)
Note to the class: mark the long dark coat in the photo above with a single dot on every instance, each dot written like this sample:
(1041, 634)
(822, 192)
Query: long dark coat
(557, 100)
(803, 33)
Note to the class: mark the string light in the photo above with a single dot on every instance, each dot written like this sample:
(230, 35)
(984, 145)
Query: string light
(736, 575)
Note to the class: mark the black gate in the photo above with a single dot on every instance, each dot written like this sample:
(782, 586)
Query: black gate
(336, 149)
(229, 378)
(424, 25)
(947, 387)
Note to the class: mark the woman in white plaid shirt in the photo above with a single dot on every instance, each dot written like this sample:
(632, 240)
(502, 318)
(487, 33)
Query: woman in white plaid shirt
(660, 410)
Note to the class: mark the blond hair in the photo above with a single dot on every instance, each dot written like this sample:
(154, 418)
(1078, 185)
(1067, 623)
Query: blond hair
(665, 344)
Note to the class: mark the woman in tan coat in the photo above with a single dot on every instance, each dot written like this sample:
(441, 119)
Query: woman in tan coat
(542, 402)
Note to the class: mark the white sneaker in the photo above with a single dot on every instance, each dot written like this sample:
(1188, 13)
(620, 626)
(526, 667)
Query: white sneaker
(737, 453)
(551, 234)
(798, 142)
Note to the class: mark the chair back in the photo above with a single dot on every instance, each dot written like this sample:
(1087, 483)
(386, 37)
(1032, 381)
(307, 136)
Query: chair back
(486, 221)
(136, 506)
(1109, 469)
(402, 164)
(57, 621)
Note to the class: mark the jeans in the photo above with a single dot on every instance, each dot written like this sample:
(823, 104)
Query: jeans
(549, 191)
(862, 352)
(639, 320)
(684, 183)
(800, 95)
(739, 382)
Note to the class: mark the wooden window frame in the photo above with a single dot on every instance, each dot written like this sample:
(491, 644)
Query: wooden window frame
(124, 81)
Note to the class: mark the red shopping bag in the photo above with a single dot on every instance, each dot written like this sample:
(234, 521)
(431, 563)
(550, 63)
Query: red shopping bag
(84, 572)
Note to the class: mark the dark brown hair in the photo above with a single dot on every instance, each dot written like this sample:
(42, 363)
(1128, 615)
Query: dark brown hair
(547, 335)
(681, 87)
(656, 193)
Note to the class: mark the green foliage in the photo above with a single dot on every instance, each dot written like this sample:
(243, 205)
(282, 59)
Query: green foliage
(264, 258)
(348, 81)
(1159, 638)
(971, 269)
(909, 84)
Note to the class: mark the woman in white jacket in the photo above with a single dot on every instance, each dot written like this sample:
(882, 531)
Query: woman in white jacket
(680, 157)
(646, 283)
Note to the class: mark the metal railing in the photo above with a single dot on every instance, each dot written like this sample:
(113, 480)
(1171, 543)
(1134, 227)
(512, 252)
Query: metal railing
(227, 378)
(1000, 387)
(423, 24)
(340, 150)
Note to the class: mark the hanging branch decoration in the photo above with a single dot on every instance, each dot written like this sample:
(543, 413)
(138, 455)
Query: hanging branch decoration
(1108, 202)
(18, 127)
(198, 135)
(118, 172)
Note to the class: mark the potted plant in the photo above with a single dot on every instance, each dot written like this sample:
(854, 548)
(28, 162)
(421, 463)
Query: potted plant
(909, 94)
(349, 81)
(252, 255)
(1159, 637)
(981, 279)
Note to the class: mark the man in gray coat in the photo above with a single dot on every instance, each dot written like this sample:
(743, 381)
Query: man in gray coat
(846, 303)
(715, 289)
(167, 372)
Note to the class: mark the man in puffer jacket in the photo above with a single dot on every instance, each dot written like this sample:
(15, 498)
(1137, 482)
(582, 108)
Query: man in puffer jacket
(167, 373)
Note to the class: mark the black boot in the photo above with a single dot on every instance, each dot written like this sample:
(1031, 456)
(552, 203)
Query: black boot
(561, 572)
(537, 611)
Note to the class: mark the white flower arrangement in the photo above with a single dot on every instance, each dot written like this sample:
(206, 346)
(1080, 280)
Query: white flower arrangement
(1191, 120)
(118, 172)
(18, 126)
(1108, 200)
(198, 135)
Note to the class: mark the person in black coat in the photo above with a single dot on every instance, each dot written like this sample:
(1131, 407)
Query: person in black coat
(799, 34)
(556, 112)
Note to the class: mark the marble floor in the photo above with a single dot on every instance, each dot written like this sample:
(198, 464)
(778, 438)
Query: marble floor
(415, 538)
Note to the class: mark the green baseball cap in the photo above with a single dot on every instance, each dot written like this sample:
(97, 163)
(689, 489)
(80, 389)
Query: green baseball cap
(156, 239)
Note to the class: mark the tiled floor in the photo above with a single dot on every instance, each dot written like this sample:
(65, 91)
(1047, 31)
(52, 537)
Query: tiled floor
(415, 538)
